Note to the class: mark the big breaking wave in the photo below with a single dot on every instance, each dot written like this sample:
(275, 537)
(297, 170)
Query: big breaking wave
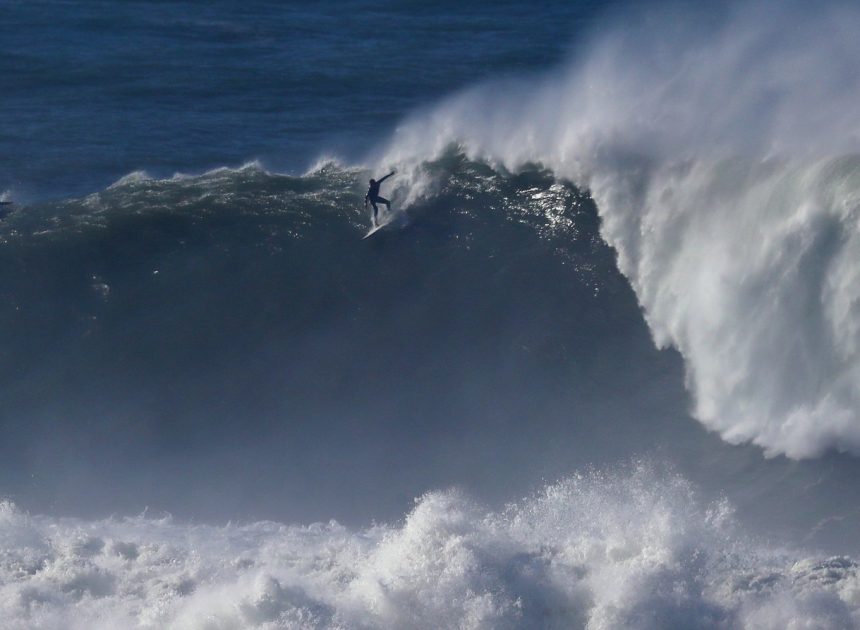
(737, 227)
(722, 154)
(630, 548)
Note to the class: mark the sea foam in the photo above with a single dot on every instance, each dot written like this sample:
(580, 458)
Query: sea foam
(631, 549)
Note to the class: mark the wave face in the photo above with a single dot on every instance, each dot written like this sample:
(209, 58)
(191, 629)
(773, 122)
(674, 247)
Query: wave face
(172, 343)
(722, 153)
(631, 549)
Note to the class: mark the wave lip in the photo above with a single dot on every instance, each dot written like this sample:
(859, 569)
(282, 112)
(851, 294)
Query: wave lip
(597, 550)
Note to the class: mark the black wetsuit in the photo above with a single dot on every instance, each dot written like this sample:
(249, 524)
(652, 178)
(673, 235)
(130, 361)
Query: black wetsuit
(373, 191)
(373, 195)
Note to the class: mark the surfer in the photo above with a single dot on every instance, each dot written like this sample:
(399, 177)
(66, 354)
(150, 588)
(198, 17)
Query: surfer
(373, 196)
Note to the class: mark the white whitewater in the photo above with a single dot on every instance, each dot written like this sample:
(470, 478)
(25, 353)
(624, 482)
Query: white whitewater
(723, 155)
(595, 551)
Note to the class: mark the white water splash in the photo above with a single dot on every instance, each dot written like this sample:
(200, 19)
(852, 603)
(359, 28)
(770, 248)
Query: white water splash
(594, 551)
(722, 153)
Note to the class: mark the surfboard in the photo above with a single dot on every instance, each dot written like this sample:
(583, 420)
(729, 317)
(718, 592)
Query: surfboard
(395, 219)
(375, 230)
(388, 221)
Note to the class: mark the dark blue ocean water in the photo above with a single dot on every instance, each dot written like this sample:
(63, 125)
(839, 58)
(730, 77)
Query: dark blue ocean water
(90, 91)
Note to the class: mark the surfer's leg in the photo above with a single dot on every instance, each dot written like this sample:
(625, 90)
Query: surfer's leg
(385, 201)
(375, 211)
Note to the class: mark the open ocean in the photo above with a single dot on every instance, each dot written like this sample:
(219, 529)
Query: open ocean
(601, 370)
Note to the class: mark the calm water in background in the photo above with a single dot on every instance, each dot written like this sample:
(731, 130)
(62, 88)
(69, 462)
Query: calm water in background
(90, 91)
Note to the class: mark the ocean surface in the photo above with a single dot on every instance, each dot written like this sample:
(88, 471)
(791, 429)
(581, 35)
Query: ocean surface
(600, 370)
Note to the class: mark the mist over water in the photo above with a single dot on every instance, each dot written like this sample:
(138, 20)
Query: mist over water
(482, 416)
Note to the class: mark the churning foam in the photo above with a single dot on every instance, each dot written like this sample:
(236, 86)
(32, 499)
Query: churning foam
(722, 151)
(598, 550)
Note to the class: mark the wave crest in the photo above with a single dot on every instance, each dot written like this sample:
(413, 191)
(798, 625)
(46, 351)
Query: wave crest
(721, 151)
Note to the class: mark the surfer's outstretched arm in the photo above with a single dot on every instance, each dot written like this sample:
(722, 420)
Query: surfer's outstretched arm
(386, 177)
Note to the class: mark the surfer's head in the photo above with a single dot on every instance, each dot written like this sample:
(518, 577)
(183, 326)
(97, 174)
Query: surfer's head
(372, 181)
